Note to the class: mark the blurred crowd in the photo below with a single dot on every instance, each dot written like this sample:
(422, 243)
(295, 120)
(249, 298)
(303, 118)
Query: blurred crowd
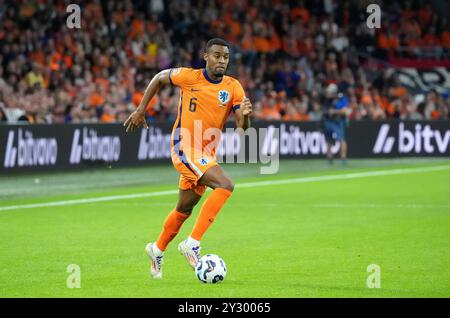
(285, 53)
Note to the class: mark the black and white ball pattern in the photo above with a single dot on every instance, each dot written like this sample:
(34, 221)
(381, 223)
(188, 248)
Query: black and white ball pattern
(211, 269)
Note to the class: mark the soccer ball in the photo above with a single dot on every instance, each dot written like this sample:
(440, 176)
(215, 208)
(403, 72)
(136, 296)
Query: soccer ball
(211, 269)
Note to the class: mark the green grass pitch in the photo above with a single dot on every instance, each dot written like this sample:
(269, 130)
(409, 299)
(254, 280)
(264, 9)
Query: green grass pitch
(295, 239)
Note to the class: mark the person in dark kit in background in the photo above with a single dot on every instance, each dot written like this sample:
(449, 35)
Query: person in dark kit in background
(335, 109)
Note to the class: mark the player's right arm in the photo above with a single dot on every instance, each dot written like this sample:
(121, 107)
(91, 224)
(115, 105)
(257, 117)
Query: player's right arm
(137, 118)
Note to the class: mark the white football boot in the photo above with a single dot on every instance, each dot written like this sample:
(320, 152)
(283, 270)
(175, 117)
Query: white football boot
(192, 254)
(155, 262)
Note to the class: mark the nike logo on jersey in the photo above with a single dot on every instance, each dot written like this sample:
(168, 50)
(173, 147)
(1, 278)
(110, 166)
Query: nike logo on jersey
(194, 90)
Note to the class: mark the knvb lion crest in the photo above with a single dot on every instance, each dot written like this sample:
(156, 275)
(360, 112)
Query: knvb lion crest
(203, 161)
(224, 96)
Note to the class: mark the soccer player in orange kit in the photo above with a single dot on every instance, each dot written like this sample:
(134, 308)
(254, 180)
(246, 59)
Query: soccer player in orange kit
(206, 99)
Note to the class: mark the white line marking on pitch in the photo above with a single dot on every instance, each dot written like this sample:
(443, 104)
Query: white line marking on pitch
(353, 175)
(376, 206)
(345, 205)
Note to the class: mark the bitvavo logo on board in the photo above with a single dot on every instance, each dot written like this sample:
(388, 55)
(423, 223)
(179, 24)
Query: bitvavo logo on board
(28, 151)
(89, 146)
(421, 139)
(291, 140)
(154, 144)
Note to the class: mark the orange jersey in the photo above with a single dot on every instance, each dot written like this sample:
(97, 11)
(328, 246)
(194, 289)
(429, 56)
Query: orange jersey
(204, 103)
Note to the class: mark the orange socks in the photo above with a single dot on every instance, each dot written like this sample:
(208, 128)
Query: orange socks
(208, 213)
(171, 227)
(209, 210)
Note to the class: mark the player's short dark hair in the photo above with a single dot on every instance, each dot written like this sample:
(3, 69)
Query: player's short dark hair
(216, 41)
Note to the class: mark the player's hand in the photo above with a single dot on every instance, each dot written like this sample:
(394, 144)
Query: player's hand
(135, 120)
(247, 107)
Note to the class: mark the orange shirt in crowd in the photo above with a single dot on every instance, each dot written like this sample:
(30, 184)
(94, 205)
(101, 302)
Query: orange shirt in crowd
(398, 91)
(54, 61)
(366, 98)
(435, 114)
(137, 97)
(247, 42)
(150, 109)
(270, 113)
(94, 10)
(38, 57)
(388, 42)
(296, 117)
(305, 46)
(261, 44)
(68, 61)
(103, 82)
(96, 99)
(387, 106)
(107, 118)
(137, 28)
(300, 12)
(118, 17)
(151, 26)
(27, 10)
(234, 26)
(383, 42)
(394, 43)
(275, 42)
(445, 39)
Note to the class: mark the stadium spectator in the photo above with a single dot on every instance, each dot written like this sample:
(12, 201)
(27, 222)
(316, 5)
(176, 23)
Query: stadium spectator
(335, 110)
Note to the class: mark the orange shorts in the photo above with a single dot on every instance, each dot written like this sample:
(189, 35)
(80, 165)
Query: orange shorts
(191, 169)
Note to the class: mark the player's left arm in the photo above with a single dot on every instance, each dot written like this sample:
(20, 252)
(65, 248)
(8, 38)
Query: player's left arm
(242, 107)
(242, 114)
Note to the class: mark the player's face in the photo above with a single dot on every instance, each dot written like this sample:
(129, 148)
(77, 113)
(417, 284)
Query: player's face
(217, 59)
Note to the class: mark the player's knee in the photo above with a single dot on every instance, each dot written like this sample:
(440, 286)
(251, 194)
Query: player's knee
(187, 212)
(185, 208)
(227, 184)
